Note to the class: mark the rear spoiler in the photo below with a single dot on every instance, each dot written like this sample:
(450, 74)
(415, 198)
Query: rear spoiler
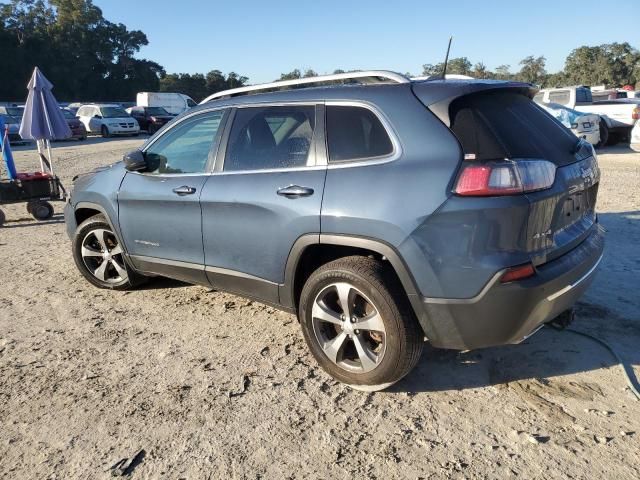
(437, 95)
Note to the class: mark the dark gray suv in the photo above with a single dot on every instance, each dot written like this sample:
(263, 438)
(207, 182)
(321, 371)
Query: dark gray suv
(381, 210)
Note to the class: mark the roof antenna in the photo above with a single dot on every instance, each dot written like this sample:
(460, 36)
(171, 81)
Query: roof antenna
(446, 60)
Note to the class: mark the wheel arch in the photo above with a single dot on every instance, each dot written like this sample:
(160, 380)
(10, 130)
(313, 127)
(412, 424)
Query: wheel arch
(330, 247)
(84, 210)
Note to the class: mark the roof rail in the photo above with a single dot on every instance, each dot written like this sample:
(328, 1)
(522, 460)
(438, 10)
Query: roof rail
(374, 76)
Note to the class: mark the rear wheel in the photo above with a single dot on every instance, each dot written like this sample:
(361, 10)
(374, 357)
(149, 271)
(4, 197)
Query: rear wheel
(105, 131)
(604, 134)
(358, 323)
(100, 257)
(3, 218)
(151, 129)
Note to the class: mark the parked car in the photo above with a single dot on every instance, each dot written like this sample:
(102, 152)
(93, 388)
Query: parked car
(150, 119)
(74, 107)
(174, 103)
(14, 129)
(618, 117)
(582, 125)
(14, 111)
(107, 120)
(380, 214)
(78, 130)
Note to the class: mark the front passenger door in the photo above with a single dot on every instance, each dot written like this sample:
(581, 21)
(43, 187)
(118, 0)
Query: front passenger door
(159, 209)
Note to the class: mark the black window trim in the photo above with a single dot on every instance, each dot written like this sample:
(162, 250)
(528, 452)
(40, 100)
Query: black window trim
(386, 124)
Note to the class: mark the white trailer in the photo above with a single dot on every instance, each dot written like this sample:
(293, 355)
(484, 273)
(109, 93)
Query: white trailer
(174, 103)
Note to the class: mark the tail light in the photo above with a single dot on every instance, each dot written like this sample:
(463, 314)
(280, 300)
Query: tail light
(636, 113)
(505, 177)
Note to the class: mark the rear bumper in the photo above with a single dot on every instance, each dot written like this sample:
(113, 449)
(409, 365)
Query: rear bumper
(508, 313)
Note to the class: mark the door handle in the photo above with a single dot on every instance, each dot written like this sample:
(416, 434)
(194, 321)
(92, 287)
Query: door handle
(295, 191)
(184, 190)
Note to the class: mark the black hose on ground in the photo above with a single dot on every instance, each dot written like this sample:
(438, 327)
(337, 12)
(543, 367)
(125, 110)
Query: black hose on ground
(632, 382)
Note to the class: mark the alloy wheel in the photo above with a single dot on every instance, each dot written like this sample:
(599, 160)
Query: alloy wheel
(102, 255)
(348, 328)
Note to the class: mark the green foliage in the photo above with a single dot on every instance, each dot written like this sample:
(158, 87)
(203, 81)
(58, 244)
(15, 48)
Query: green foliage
(88, 57)
(459, 66)
(614, 64)
(84, 55)
(533, 70)
(199, 86)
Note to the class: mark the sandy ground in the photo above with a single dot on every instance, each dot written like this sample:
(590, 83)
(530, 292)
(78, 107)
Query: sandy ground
(210, 385)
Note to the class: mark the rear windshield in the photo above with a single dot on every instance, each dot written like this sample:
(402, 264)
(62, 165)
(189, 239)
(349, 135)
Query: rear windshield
(498, 125)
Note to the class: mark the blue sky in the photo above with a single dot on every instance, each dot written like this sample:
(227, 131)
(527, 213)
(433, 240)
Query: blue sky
(261, 39)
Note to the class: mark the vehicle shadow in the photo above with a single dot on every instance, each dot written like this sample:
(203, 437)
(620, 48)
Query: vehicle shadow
(620, 148)
(31, 222)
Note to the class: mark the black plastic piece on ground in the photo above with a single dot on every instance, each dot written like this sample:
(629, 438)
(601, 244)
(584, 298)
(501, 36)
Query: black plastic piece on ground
(563, 320)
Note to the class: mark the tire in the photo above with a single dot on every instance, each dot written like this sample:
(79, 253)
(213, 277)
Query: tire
(92, 239)
(82, 139)
(40, 210)
(367, 359)
(3, 218)
(151, 129)
(104, 131)
(604, 134)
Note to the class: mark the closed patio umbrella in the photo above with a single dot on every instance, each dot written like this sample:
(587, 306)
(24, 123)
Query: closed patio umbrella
(42, 120)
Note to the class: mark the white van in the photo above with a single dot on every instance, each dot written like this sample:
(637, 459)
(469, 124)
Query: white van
(174, 103)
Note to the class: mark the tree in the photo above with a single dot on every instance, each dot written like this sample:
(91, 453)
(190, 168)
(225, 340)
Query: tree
(459, 66)
(480, 71)
(533, 70)
(292, 75)
(502, 72)
(614, 64)
(84, 55)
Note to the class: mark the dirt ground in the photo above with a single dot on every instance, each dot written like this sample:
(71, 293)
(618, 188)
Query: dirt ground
(209, 385)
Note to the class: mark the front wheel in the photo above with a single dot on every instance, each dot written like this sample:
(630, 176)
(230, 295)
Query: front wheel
(105, 131)
(99, 256)
(358, 323)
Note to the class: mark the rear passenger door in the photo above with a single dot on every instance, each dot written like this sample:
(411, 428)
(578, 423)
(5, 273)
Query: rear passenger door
(265, 193)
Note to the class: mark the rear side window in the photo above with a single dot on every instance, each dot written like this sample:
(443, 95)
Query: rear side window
(583, 95)
(499, 125)
(562, 97)
(270, 137)
(355, 133)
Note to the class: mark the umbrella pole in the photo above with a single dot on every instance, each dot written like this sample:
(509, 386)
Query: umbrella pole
(50, 156)
(40, 155)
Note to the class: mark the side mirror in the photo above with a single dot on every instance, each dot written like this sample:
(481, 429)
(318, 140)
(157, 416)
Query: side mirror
(134, 161)
(97, 116)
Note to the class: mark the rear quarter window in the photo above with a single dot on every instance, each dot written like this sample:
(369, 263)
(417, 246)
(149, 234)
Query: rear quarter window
(499, 125)
(355, 133)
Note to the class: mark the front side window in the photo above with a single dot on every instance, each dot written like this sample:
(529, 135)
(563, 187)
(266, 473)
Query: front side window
(270, 137)
(187, 147)
(355, 133)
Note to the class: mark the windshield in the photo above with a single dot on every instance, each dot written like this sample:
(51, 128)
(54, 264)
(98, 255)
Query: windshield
(15, 111)
(113, 112)
(67, 114)
(9, 119)
(156, 111)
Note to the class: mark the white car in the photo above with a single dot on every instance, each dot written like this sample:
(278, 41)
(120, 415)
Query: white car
(583, 125)
(635, 137)
(107, 120)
